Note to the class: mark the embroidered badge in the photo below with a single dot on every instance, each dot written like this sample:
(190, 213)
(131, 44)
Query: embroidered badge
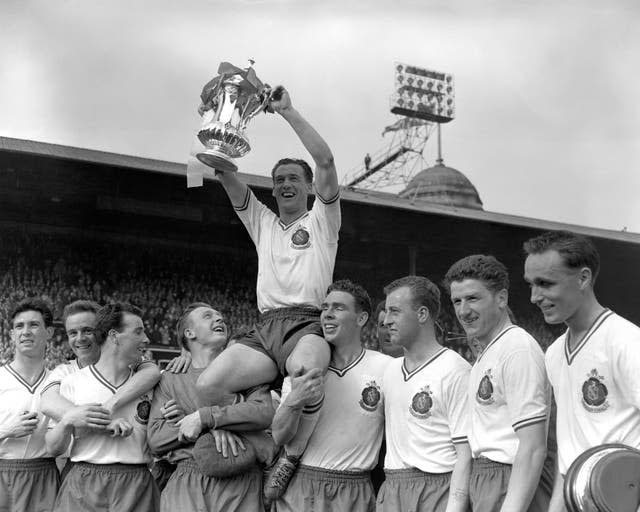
(594, 393)
(143, 410)
(484, 396)
(370, 396)
(300, 238)
(421, 403)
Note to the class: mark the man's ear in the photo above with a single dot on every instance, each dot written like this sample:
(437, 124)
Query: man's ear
(585, 277)
(423, 314)
(362, 318)
(503, 298)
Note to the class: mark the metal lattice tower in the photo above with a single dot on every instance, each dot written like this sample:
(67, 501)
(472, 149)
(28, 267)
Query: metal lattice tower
(394, 165)
(421, 99)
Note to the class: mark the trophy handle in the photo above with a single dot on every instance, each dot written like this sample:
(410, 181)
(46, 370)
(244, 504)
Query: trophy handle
(265, 102)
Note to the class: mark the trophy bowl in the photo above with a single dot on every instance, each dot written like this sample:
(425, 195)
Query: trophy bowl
(229, 102)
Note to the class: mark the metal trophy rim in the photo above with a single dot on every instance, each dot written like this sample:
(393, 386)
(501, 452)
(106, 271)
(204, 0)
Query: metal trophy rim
(217, 160)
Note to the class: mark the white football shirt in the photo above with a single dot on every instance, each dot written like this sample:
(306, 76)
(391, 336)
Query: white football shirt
(295, 261)
(350, 426)
(426, 412)
(597, 387)
(508, 390)
(89, 386)
(16, 397)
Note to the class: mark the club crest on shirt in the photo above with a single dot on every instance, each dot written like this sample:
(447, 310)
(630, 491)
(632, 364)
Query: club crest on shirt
(484, 395)
(421, 403)
(301, 239)
(370, 396)
(594, 393)
(143, 410)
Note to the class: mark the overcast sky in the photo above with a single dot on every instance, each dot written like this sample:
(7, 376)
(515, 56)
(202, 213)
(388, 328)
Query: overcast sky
(547, 92)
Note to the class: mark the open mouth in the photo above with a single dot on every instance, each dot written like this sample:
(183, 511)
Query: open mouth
(288, 195)
(329, 328)
(219, 329)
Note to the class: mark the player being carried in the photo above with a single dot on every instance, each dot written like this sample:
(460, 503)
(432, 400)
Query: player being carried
(296, 256)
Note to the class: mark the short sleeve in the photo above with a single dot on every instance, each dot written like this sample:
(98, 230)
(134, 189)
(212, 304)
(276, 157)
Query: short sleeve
(328, 215)
(252, 213)
(457, 393)
(54, 378)
(527, 390)
(626, 359)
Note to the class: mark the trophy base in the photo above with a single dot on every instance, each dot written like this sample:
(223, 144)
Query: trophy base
(218, 161)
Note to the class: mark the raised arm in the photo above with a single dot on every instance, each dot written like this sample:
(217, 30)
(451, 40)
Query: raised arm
(326, 177)
(235, 189)
(143, 380)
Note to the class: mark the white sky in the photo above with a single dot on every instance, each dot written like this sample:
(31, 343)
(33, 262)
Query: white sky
(547, 92)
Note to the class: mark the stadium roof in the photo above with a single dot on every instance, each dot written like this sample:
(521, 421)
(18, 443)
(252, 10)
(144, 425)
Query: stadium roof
(383, 199)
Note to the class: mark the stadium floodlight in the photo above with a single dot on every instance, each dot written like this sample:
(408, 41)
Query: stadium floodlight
(423, 93)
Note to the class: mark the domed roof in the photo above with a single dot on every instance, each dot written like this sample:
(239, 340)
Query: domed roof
(443, 185)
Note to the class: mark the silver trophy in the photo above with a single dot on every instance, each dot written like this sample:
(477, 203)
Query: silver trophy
(229, 102)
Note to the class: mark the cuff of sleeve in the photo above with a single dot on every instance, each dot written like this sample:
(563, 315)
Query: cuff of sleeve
(208, 417)
(529, 421)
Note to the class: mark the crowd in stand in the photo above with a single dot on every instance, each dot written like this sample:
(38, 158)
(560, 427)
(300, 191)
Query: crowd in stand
(161, 280)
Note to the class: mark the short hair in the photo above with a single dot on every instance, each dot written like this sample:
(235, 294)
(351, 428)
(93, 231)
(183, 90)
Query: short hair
(110, 317)
(181, 325)
(423, 293)
(360, 296)
(33, 304)
(306, 168)
(79, 306)
(577, 251)
(480, 267)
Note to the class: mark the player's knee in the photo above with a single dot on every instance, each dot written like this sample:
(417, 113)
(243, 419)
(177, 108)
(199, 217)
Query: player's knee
(312, 351)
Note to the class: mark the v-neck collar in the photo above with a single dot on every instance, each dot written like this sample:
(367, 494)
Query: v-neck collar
(340, 372)
(103, 380)
(408, 374)
(571, 354)
(285, 227)
(494, 340)
(30, 387)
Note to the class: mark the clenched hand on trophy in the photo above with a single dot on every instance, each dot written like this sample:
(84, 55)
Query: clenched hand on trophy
(229, 102)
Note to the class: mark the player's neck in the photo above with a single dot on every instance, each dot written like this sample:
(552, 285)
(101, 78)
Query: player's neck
(288, 217)
(343, 355)
(201, 356)
(87, 360)
(501, 325)
(114, 369)
(584, 317)
(423, 349)
(29, 368)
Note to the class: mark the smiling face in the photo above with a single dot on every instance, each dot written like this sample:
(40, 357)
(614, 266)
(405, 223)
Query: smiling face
(556, 289)
(480, 311)
(291, 189)
(80, 329)
(131, 338)
(341, 322)
(207, 327)
(29, 334)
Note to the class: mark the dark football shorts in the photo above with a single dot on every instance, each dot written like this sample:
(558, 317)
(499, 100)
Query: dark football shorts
(279, 331)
